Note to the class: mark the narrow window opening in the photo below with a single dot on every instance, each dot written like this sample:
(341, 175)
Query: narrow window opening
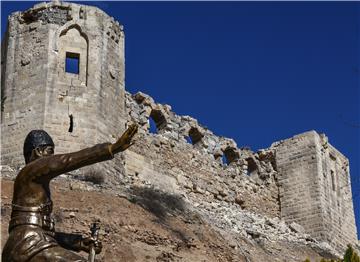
(195, 135)
(71, 126)
(231, 155)
(72, 63)
(332, 157)
(333, 180)
(188, 139)
(252, 167)
(152, 126)
(224, 160)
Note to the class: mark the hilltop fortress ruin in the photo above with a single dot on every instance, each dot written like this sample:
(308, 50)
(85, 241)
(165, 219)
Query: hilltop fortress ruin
(302, 181)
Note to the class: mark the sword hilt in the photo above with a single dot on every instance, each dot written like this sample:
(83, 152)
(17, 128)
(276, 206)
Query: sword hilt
(94, 229)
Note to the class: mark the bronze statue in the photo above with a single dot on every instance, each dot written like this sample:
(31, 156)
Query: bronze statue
(32, 236)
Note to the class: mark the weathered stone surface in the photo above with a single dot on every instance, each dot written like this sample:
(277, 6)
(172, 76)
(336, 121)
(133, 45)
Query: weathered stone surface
(40, 94)
(296, 228)
(286, 174)
(314, 186)
(298, 190)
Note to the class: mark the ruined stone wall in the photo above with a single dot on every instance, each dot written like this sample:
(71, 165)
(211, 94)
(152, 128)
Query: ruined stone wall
(336, 197)
(301, 180)
(315, 189)
(184, 157)
(41, 94)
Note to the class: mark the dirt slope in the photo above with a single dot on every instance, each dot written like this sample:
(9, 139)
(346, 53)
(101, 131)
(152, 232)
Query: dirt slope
(150, 226)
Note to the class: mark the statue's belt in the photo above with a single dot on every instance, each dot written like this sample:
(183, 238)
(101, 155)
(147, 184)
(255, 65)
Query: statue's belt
(43, 208)
(36, 216)
(44, 221)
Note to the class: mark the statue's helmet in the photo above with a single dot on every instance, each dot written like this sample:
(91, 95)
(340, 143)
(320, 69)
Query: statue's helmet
(36, 138)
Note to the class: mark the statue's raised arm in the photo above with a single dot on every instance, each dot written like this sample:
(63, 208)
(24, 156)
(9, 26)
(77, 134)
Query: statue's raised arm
(43, 165)
(32, 235)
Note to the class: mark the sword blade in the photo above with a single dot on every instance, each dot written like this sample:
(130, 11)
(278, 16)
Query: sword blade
(92, 254)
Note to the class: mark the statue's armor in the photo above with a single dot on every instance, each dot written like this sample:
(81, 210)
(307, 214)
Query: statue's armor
(31, 230)
(32, 234)
(37, 216)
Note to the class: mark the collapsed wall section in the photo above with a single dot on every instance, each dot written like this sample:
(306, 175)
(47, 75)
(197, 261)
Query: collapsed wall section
(302, 180)
(185, 158)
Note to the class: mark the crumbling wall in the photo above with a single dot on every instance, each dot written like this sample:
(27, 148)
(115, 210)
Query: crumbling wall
(302, 180)
(186, 158)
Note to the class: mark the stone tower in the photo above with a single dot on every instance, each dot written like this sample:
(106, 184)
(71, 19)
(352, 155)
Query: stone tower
(62, 71)
(315, 188)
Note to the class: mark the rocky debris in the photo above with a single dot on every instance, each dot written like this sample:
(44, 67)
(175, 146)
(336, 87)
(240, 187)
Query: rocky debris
(153, 239)
(213, 169)
(128, 231)
(296, 228)
(218, 231)
(229, 218)
(167, 257)
(183, 165)
(232, 218)
(187, 180)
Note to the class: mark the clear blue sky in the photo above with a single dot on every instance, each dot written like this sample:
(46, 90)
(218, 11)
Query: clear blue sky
(253, 71)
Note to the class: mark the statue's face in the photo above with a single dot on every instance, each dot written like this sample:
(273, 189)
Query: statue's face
(47, 151)
(42, 151)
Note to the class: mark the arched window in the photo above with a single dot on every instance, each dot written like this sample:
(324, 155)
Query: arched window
(73, 55)
(157, 118)
(231, 155)
(194, 136)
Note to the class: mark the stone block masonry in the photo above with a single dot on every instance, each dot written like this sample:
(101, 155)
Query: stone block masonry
(315, 189)
(304, 181)
(78, 108)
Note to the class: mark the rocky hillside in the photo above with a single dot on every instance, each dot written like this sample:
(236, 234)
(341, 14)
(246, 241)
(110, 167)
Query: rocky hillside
(144, 224)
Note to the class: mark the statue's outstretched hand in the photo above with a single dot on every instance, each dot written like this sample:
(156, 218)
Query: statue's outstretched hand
(124, 142)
